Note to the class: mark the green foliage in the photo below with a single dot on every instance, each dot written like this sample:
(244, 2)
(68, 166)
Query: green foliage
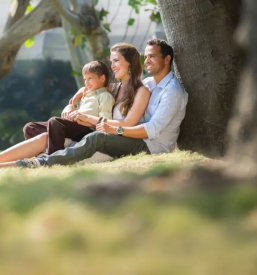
(78, 38)
(136, 4)
(107, 52)
(142, 59)
(104, 13)
(30, 42)
(76, 73)
(156, 17)
(29, 8)
(131, 22)
(107, 26)
(154, 2)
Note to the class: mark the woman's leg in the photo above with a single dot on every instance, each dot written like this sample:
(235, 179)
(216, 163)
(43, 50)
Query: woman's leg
(26, 149)
(8, 164)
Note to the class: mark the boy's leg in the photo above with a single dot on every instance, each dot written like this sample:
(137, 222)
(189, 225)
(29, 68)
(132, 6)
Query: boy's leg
(59, 129)
(112, 145)
(33, 129)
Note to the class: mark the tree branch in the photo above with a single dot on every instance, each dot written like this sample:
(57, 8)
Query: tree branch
(43, 17)
(87, 22)
(17, 11)
(69, 15)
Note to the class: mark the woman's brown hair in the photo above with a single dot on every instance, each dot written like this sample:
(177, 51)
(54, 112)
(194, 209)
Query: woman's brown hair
(131, 55)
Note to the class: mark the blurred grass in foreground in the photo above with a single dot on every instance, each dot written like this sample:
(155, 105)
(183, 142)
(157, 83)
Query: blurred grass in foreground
(126, 217)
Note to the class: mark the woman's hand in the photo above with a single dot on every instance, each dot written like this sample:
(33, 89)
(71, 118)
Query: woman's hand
(66, 111)
(75, 115)
(77, 96)
(104, 127)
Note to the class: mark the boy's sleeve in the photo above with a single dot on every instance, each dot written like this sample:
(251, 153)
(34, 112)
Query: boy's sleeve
(106, 102)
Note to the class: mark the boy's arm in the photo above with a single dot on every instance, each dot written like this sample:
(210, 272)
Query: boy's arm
(106, 102)
(67, 110)
(71, 106)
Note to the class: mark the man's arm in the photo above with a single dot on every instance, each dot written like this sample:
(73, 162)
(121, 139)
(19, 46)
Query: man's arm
(168, 107)
(133, 132)
(170, 104)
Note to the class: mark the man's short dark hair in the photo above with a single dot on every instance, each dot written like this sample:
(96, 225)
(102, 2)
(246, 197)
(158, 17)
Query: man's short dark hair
(166, 49)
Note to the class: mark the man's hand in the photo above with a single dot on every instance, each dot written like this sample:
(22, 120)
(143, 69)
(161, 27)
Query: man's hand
(66, 111)
(104, 127)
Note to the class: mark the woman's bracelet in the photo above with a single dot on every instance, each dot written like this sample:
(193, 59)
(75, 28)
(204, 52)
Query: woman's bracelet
(101, 119)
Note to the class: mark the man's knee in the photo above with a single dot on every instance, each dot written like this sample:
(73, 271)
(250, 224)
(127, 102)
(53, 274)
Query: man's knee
(97, 136)
(95, 139)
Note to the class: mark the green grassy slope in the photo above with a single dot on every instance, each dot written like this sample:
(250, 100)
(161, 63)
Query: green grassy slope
(137, 215)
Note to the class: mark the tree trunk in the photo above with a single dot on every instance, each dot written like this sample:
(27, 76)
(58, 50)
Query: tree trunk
(18, 9)
(87, 22)
(201, 33)
(243, 126)
(43, 17)
(78, 56)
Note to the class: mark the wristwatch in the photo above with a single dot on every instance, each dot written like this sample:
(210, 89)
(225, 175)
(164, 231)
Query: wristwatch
(119, 131)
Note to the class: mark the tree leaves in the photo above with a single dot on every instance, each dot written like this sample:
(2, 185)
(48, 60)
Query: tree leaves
(78, 38)
(130, 21)
(107, 27)
(76, 73)
(30, 42)
(156, 17)
(29, 8)
(136, 4)
(154, 2)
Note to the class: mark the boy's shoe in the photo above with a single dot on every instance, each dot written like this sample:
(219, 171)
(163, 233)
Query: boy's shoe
(69, 143)
(30, 163)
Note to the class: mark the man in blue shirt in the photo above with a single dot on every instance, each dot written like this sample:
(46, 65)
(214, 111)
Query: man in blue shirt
(159, 133)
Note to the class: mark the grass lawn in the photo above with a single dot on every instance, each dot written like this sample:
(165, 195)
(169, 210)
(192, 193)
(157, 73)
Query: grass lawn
(128, 216)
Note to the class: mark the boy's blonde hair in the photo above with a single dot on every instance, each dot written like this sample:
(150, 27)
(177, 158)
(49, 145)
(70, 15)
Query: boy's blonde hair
(98, 68)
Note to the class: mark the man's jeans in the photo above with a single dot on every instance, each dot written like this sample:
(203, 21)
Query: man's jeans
(112, 145)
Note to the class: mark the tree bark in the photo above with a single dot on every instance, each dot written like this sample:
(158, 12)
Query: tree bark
(18, 9)
(43, 17)
(86, 21)
(208, 63)
(243, 126)
(78, 56)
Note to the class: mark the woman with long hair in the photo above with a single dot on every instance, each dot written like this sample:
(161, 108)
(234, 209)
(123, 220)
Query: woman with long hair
(131, 100)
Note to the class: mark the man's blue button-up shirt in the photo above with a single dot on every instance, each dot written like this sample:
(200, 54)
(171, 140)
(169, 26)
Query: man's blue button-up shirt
(165, 111)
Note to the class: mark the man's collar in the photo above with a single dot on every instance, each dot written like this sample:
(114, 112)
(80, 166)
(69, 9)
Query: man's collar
(163, 83)
(97, 91)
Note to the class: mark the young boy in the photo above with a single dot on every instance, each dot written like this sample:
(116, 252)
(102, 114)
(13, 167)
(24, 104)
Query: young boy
(96, 101)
